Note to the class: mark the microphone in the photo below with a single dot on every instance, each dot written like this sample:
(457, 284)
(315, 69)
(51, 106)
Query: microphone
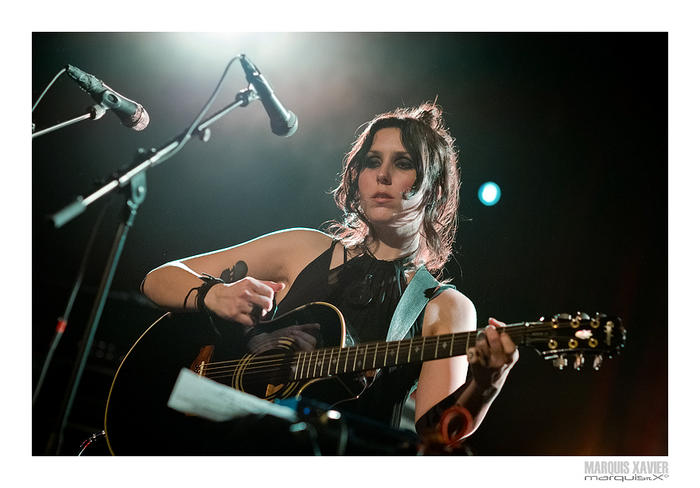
(132, 114)
(283, 122)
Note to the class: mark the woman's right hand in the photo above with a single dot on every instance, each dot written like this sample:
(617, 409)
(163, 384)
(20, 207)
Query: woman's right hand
(238, 301)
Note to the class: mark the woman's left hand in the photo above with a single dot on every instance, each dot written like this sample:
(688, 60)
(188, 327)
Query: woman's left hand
(492, 356)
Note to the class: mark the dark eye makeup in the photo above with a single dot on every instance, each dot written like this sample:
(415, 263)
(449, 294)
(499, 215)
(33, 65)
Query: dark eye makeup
(402, 162)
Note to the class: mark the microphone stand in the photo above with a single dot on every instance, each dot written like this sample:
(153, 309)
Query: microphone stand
(133, 183)
(95, 112)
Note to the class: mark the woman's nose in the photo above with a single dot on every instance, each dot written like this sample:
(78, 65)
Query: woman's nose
(383, 175)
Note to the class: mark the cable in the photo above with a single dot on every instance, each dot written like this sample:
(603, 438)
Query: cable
(87, 442)
(204, 110)
(47, 88)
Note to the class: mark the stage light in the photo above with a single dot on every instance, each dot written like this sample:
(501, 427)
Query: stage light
(489, 193)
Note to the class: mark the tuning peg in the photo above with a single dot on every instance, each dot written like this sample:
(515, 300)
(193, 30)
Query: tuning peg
(560, 361)
(579, 319)
(578, 361)
(560, 318)
(597, 361)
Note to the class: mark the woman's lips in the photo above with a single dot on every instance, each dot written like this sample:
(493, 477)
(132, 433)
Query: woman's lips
(382, 197)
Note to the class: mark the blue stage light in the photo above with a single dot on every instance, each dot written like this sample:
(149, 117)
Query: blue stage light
(489, 193)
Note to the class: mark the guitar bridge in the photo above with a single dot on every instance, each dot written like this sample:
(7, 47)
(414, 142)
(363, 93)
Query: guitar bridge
(204, 356)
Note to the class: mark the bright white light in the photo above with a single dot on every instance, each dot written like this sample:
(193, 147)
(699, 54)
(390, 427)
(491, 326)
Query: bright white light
(489, 193)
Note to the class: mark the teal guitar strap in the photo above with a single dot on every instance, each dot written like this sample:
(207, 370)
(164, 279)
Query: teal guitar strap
(422, 287)
(419, 291)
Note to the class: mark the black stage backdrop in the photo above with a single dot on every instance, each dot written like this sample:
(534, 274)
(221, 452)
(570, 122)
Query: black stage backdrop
(573, 127)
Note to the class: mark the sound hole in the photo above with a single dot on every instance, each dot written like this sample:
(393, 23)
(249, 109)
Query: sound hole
(264, 375)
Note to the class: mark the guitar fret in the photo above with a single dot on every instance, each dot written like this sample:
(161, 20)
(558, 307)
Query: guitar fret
(386, 351)
(347, 354)
(296, 370)
(308, 369)
(364, 358)
(323, 361)
(376, 348)
(436, 346)
(422, 349)
(330, 362)
(452, 343)
(410, 346)
(354, 364)
(337, 362)
(398, 347)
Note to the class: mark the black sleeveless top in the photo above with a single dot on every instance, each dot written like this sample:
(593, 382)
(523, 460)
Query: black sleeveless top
(366, 290)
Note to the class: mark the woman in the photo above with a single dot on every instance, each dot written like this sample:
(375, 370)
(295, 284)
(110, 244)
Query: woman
(399, 193)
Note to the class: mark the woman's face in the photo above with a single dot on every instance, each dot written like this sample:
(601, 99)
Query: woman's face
(386, 179)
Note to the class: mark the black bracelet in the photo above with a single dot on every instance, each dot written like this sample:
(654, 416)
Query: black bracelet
(204, 288)
(184, 304)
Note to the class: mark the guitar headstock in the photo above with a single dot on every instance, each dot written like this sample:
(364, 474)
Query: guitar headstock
(578, 340)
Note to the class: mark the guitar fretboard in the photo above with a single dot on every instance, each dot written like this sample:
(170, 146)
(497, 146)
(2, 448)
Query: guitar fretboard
(373, 355)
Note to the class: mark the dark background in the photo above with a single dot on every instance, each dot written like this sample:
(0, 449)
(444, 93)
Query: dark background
(573, 127)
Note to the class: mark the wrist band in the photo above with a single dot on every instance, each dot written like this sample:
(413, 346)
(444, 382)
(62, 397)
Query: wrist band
(184, 304)
(203, 289)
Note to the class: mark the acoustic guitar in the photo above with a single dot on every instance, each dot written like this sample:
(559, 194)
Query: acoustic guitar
(136, 415)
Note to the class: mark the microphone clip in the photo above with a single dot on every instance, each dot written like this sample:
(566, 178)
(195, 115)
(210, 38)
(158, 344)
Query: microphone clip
(247, 95)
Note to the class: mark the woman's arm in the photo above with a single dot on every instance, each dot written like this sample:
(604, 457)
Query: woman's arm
(273, 261)
(443, 381)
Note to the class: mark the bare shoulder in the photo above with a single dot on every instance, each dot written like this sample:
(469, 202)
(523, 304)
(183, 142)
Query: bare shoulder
(451, 311)
(286, 240)
(297, 236)
(300, 241)
(276, 256)
(295, 248)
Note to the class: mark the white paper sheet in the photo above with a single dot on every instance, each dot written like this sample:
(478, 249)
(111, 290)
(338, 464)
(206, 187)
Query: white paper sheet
(194, 394)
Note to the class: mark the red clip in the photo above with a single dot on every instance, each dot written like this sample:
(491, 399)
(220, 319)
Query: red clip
(61, 325)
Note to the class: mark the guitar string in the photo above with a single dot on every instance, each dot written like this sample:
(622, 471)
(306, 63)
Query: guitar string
(266, 369)
(272, 363)
(266, 372)
(279, 359)
(309, 363)
(276, 358)
(514, 328)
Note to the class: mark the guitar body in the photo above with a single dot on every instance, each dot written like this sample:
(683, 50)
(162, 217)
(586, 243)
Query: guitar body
(137, 418)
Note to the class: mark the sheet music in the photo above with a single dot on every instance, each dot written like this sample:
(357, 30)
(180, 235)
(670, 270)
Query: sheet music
(194, 394)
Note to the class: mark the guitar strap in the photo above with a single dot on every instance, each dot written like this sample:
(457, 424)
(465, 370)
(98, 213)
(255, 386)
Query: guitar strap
(419, 291)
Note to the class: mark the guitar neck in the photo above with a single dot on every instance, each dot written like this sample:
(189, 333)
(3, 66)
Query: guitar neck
(339, 360)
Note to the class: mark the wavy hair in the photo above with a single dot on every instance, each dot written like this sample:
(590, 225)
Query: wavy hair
(428, 141)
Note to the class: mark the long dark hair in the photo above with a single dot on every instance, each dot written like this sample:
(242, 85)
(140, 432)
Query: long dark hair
(431, 146)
